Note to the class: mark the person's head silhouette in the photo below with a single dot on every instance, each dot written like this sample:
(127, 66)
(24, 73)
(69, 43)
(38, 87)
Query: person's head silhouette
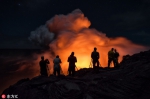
(112, 49)
(42, 57)
(95, 48)
(72, 53)
(57, 56)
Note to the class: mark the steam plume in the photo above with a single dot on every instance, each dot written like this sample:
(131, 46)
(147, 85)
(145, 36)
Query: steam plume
(67, 33)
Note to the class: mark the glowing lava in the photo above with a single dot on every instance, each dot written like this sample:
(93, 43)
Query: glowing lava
(72, 33)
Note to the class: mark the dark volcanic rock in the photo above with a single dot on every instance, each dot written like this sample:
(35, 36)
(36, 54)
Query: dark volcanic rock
(130, 81)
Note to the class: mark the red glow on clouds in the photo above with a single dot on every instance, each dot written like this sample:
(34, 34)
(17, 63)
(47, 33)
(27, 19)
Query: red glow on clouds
(72, 33)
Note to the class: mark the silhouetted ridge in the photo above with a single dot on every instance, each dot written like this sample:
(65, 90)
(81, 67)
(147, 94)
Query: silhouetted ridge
(130, 81)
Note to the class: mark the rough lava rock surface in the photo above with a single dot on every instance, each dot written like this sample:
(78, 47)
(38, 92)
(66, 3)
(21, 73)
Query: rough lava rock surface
(130, 81)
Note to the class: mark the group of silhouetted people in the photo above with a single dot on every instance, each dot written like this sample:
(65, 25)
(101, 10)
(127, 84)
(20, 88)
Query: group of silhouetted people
(112, 57)
(44, 66)
(57, 68)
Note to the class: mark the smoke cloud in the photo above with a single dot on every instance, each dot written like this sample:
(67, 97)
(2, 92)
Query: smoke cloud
(71, 32)
(62, 34)
(41, 36)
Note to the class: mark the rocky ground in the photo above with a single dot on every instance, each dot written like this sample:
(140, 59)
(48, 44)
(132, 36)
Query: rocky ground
(130, 81)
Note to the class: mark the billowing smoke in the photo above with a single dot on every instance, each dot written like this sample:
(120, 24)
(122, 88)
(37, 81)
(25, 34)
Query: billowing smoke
(62, 34)
(41, 36)
(73, 22)
(67, 33)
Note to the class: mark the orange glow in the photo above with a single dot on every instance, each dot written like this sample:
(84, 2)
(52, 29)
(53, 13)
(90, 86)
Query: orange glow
(84, 42)
(72, 33)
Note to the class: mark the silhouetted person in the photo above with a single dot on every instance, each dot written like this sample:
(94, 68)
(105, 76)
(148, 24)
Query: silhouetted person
(72, 60)
(111, 57)
(44, 66)
(57, 67)
(116, 56)
(95, 58)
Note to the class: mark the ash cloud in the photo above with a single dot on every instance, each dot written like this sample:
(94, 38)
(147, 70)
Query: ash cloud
(73, 22)
(64, 34)
(71, 32)
(41, 36)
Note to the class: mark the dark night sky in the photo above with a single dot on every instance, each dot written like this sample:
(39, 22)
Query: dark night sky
(128, 18)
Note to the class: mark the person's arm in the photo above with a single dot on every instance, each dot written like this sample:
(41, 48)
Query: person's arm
(54, 61)
(75, 59)
(118, 54)
(60, 61)
(98, 55)
(47, 61)
(92, 55)
(68, 59)
(108, 54)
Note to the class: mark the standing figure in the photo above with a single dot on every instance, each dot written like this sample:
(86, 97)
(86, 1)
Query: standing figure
(116, 55)
(111, 57)
(72, 60)
(57, 67)
(95, 58)
(44, 66)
